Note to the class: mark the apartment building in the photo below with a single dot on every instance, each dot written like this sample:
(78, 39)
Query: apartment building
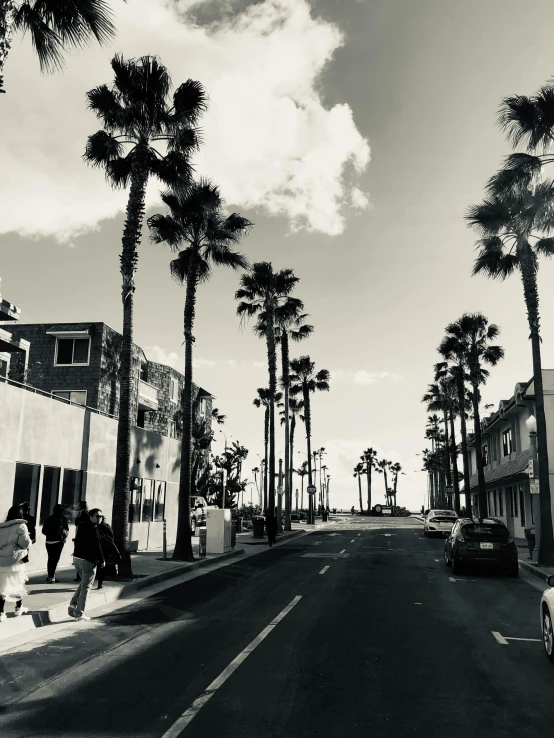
(505, 449)
(10, 345)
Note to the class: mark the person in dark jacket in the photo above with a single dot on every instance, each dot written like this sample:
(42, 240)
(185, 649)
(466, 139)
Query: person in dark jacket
(31, 521)
(271, 527)
(112, 557)
(81, 515)
(55, 530)
(86, 557)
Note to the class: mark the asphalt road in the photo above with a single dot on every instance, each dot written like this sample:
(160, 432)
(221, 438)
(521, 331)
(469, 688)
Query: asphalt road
(382, 643)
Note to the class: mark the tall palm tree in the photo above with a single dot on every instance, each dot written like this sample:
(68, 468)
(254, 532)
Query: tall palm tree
(255, 472)
(302, 471)
(359, 469)
(264, 400)
(512, 224)
(203, 237)
(471, 337)
(381, 468)
(137, 116)
(304, 381)
(295, 406)
(396, 469)
(55, 26)
(262, 292)
(218, 417)
(370, 458)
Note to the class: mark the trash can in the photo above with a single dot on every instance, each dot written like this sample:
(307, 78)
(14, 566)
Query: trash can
(201, 542)
(530, 536)
(233, 535)
(258, 526)
(324, 516)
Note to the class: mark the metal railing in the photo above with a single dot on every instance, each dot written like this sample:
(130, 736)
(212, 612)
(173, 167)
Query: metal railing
(52, 396)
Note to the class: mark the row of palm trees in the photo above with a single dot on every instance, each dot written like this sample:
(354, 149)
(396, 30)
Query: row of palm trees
(513, 224)
(369, 462)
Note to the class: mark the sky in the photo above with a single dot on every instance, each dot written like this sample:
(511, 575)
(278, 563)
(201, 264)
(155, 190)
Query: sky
(354, 134)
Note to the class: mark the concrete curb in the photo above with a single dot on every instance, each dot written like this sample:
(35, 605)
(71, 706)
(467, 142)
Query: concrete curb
(536, 571)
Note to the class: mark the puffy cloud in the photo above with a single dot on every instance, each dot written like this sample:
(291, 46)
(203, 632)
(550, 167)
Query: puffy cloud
(269, 141)
(172, 358)
(365, 378)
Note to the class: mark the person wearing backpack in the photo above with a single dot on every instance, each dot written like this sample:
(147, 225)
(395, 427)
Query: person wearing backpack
(14, 546)
(55, 530)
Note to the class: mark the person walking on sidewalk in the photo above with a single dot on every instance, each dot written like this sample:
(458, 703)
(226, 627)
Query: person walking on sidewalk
(31, 521)
(14, 546)
(271, 527)
(111, 554)
(81, 515)
(86, 556)
(56, 530)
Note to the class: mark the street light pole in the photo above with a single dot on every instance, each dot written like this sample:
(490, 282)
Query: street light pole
(531, 424)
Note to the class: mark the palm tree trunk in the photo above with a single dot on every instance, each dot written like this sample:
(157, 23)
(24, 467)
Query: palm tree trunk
(369, 486)
(447, 450)
(360, 491)
(546, 543)
(386, 486)
(7, 13)
(465, 455)
(308, 424)
(272, 369)
(483, 507)
(291, 456)
(302, 491)
(455, 485)
(183, 543)
(128, 265)
(266, 449)
(285, 368)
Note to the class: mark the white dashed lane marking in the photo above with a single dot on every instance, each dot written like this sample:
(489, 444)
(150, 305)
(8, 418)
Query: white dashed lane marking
(503, 640)
(324, 570)
(343, 551)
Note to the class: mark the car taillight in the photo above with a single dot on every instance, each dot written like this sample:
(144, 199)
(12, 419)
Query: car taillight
(510, 539)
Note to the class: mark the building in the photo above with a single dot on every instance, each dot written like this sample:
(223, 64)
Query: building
(10, 345)
(59, 429)
(505, 449)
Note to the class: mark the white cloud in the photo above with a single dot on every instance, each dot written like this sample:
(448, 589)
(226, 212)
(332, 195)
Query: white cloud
(161, 356)
(269, 142)
(365, 378)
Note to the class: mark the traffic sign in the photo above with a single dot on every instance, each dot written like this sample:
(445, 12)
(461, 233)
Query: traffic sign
(311, 490)
(534, 488)
(530, 469)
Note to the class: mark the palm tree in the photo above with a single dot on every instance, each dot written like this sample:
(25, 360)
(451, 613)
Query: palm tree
(295, 406)
(302, 471)
(264, 400)
(470, 337)
(195, 221)
(511, 224)
(55, 27)
(437, 402)
(381, 468)
(358, 471)
(261, 293)
(255, 472)
(136, 116)
(305, 380)
(396, 469)
(370, 458)
(218, 417)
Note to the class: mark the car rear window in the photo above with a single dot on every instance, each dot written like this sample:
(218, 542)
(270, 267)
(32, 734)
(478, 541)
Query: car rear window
(483, 532)
(442, 519)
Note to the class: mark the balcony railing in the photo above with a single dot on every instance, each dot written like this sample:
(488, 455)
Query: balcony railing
(147, 395)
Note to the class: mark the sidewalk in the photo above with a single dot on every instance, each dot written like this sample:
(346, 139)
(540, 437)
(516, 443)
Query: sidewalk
(48, 603)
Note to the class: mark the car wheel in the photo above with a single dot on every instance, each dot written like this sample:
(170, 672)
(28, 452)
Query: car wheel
(548, 634)
(447, 561)
(193, 527)
(456, 566)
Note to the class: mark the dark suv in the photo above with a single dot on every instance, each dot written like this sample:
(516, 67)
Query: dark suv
(486, 541)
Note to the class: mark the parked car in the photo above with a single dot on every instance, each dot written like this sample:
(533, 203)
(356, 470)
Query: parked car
(198, 506)
(547, 618)
(439, 522)
(486, 541)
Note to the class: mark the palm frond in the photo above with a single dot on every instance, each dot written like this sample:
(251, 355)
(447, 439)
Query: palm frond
(493, 261)
(102, 148)
(165, 229)
(47, 43)
(190, 100)
(517, 117)
(76, 21)
(545, 247)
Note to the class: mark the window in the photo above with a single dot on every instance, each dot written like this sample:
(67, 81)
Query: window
(203, 407)
(159, 501)
(485, 452)
(172, 429)
(522, 504)
(494, 494)
(77, 397)
(72, 486)
(507, 445)
(135, 502)
(500, 503)
(173, 389)
(25, 486)
(148, 503)
(50, 489)
(141, 417)
(72, 351)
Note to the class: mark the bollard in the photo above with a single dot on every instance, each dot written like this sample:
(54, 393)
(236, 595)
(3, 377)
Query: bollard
(164, 541)
(202, 542)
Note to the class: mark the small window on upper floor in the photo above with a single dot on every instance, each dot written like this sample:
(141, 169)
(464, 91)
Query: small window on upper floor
(485, 453)
(203, 407)
(507, 445)
(72, 351)
(173, 390)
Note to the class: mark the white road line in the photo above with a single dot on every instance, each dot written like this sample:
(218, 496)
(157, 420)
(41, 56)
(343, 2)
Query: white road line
(343, 551)
(324, 569)
(185, 719)
(418, 603)
(352, 541)
(535, 640)
(359, 534)
(437, 559)
(499, 638)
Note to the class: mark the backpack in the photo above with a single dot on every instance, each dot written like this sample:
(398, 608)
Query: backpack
(54, 529)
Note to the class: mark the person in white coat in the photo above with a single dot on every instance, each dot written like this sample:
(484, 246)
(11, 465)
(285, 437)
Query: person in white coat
(15, 542)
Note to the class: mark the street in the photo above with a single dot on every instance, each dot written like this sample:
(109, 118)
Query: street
(370, 635)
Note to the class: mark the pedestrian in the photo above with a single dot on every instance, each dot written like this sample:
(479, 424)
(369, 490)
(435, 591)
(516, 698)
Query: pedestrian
(86, 556)
(271, 527)
(81, 515)
(56, 530)
(14, 546)
(31, 521)
(111, 554)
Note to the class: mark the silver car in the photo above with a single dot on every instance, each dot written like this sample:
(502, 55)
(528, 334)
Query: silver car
(547, 618)
(439, 522)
